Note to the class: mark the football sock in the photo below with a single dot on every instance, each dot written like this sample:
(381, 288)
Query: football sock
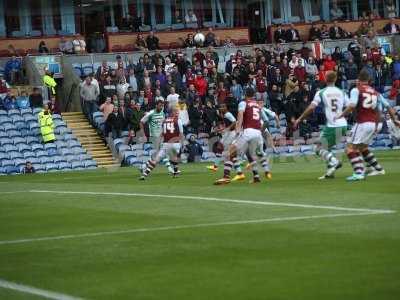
(328, 156)
(227, 169)
(254, 169)
(236, 166)
(150, 165)
(356, 162)
(370, 160)
(166, 162)
(265, 164)
(175, 166)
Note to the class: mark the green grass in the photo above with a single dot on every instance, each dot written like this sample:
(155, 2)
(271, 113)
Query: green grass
(351, 257)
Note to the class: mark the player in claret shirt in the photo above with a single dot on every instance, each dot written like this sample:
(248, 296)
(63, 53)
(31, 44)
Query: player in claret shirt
(365, 101)
(172, 142)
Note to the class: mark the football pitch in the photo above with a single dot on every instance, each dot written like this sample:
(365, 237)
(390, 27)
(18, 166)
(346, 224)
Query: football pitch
(103, 234)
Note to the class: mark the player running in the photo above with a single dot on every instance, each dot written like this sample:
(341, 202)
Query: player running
(248, 132)
(365, 101)
(334, 101)
(155, 119)
(172, 142)
(228, 133)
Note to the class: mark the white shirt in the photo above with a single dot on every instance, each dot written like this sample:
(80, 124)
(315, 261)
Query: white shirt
(267, 114)
(172, 100)
(334, 100)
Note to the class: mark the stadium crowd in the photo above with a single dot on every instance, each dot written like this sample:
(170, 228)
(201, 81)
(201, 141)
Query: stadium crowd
(285, 80)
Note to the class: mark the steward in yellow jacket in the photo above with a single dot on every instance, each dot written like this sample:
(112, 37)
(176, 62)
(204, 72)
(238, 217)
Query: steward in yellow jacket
(46, 125)
(49, 82)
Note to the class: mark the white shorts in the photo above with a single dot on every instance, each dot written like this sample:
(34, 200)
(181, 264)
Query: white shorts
(363, 133)
(227, 138)
(169, 150)
(248, 140)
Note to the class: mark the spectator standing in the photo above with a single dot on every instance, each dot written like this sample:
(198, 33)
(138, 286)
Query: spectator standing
(114, 124)
(9, 101)
(201, 85)
(65, 46)
(189, 41)
(152, 41)
(191, 19)
(13, 70)
(46, 124)
(336, 12)
(172, 99)
(210, 38)
(351, 73)
(49, 82)
(140, 43)
(103, 71)
(391, 27)
(89, 93)
(108, 88)
(79, 45)
(237, 91)
(23, 100)
(36, 99)
(314, 33)
(336, 32)
(122, 87)
(195, 115)
(107, 108)
(4, 87)
(292, 34)
(280, 35)
(43, 48)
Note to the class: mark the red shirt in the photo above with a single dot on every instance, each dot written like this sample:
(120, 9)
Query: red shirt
(171, 130)
(300, 73)
(189, 78)
(221, 95)
(261, 84)
(252, 115)
(395, 89)
(201, 85)
(3, 87)
(366, 105)
(329, 65)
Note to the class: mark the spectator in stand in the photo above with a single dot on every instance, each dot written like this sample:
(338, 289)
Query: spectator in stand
(370, 41)
(324, 32)
(210, 38)
(336, 12)
(4, 87)
(172, 99)
(260, 83)
(394, 94)
(396, 67)
(351, 73)
(228, 43)
(191, 19)
(390, 9)
(114, 124)
(314, 33)
(89, 93)
(363, 28)
(195, 115)
(103, 71)
(136, 23)
(290, 84)
(201, 85)
(79, 45)
(122, 87)
(54, 106)
(189, 41)
(152, 41)
(292, 34)
(194, 150)
(28, 169)
(329, 63)
(391, 27)
(134, 115)
(140, 43)
(191, 95)
(13, 70)
(210, 116)
(280, 34)
(336, 32)
(9, 101)
(311, 70)
(337, 55)
(108, 88)
(43, 48)
(237, 91)
(36, 99)
(221, 93)
(23, 100)
(49, 82)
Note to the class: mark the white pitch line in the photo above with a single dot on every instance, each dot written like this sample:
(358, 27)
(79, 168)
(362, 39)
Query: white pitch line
(35, 291)
(219, 200)
(177, 227)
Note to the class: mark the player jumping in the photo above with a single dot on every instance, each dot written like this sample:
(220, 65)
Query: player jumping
(333, 100)
(172, 141)
(364, 100)
(248, 132)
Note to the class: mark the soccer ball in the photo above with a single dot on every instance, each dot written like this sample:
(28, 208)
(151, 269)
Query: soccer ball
(199, 38)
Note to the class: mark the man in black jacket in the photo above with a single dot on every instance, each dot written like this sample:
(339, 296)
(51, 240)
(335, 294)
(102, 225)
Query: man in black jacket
(336, 32)
(114, 124)
(152, 41)
(391, 27)
(292, 34)
(279, 34)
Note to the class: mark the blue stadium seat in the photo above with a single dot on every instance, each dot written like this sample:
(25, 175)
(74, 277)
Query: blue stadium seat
(83, 157)
(4, 156)
(19, 162)
(117, 143)
(7, 163)
(52, 151)
(32, 140)
(39, 168)
(36, 146)
(26, 111)
(12, 170)
(78, 69)
(3, 134)
(90, 164)
(36, 110)
(18, 141)
(3, 113)
(87, 68)
(28, 155)
(12, 112)
(6, 141)
(50, 146)
(56, 117)
(59, 159)
(61, 144)
(3, 171)
(4, 121)
(51, 167)
(33, 125)
(41, 153)
(17, 118)
(14, 133)
(77, 165)
(30, 118)
(64, 166)
(68, 137)
(73, 144)
(46, 159)
(65, 151)
(8, 126)
(21, 126)
(78, 150)
(122, 148)
(9, 148)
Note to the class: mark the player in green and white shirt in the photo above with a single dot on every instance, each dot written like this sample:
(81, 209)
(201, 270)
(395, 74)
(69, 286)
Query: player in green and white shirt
(333, 100)
(155, 119)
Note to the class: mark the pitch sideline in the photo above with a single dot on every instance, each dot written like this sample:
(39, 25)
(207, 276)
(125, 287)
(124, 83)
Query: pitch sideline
(351, 209)
(35, 291)
(178, 227)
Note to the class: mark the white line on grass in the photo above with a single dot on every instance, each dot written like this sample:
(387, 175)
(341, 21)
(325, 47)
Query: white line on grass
(218, 200)
(35, 291)
(190, 226)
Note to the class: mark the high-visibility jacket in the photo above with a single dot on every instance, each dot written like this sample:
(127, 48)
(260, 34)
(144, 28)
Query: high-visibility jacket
(50, 83)
(46, 126)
